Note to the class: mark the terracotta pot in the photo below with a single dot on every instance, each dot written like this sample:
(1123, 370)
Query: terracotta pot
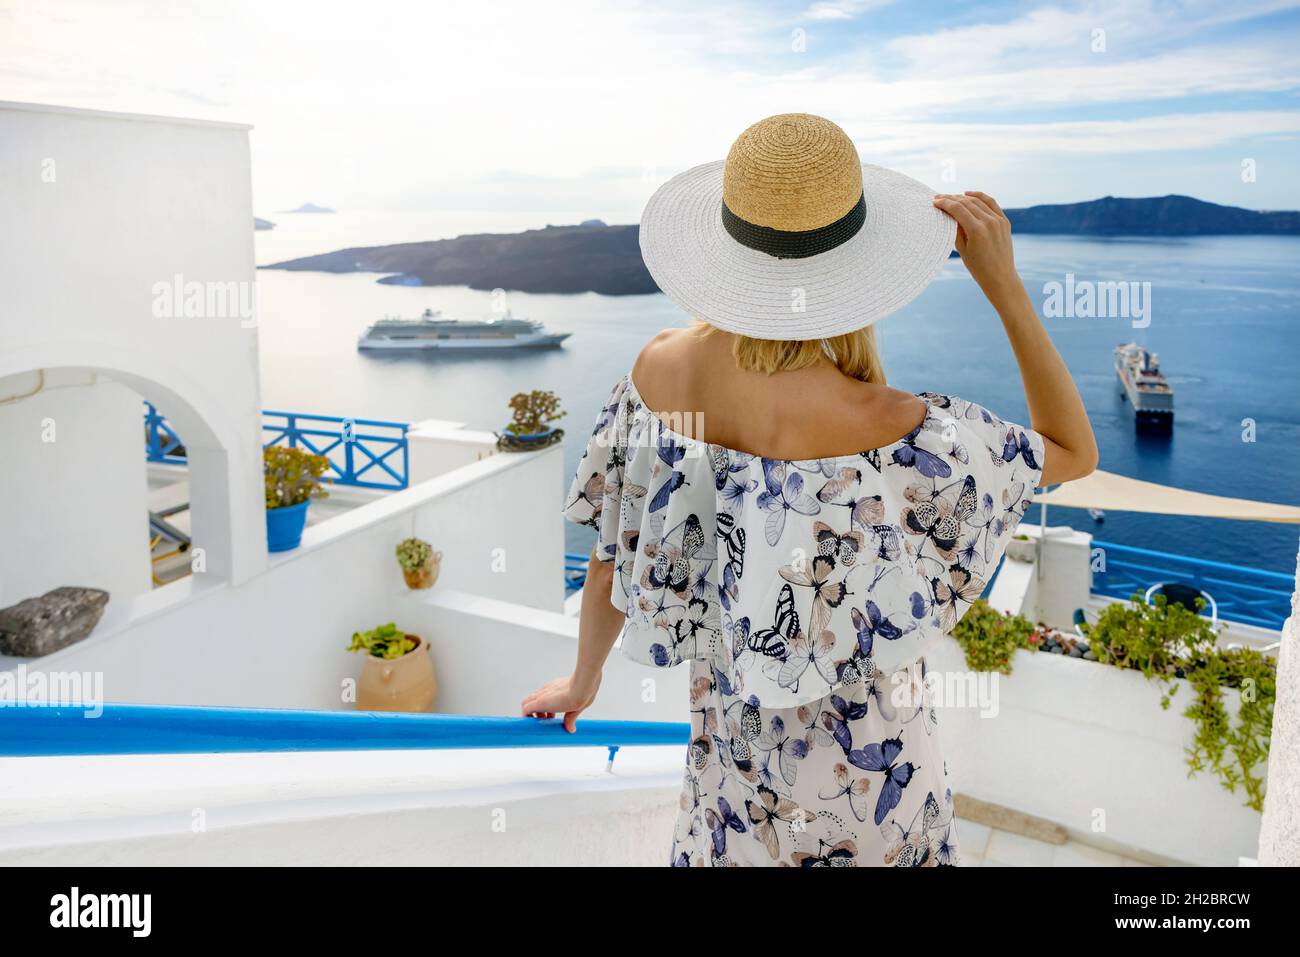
(426, 574)
(402, 684)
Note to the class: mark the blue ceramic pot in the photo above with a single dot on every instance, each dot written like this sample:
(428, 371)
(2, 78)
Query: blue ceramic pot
(531, 438)
(284, 526)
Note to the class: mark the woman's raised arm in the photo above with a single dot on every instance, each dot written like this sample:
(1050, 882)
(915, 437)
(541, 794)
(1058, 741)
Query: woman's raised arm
(1056, 411)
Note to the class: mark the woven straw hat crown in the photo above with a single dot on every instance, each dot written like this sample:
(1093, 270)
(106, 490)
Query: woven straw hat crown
(792, 172)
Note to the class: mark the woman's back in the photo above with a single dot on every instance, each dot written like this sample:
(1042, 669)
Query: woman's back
(808, 413)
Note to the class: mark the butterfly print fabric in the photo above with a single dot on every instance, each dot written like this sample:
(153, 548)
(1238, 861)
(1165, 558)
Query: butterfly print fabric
(797, 590)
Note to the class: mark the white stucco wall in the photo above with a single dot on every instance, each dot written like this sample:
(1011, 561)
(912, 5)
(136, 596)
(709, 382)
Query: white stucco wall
(1279, 836)
(99, 209)
(279, 639)
(1088, 746)
(72, 487)
(437, 446)
(489, 654)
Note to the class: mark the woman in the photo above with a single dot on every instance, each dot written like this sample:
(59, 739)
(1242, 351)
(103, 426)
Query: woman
(773, 513)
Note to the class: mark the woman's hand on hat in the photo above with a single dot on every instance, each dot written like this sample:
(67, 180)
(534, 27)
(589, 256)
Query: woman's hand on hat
(983, 240)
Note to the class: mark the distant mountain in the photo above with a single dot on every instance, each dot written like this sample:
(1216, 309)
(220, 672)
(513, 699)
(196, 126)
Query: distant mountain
(262, 223)
(587, 258)
(593, 257)
(310, 208)
(1154, 216)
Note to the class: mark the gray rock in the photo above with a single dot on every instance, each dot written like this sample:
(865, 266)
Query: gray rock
(39, 626)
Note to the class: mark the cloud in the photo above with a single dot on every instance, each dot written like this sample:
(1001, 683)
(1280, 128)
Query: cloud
(1131, 28)
(1167, 133)
(841, 9)
(482, 103)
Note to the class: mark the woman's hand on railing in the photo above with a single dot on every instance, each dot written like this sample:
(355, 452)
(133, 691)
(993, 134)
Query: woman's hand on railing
(568, 696)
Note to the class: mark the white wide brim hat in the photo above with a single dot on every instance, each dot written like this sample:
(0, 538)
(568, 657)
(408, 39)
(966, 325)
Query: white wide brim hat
(772, 185)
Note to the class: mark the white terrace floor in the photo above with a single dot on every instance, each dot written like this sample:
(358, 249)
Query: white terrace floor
(395, 808)
(984, 846)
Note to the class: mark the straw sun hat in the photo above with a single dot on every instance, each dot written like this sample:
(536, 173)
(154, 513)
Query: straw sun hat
(792, 236)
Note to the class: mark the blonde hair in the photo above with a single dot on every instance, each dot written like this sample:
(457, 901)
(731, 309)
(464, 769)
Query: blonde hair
(856, 353)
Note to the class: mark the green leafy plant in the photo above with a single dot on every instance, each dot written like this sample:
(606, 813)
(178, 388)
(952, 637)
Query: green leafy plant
(292, 476)
(533, 412)
(387, 642)
(1167, 642)
(990, 638)
(414, 554)
(1160, 640)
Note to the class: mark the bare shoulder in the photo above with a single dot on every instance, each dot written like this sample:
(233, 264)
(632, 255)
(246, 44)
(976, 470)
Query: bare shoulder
(885, 412)
(665, 359)
(663, 345)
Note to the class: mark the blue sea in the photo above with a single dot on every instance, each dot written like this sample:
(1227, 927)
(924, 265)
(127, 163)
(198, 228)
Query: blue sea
(1224, 318)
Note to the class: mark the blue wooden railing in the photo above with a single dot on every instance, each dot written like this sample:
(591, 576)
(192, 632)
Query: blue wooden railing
(1247, 595)
(32, 730)
(161, 443)
(367, 453)
(575, 570)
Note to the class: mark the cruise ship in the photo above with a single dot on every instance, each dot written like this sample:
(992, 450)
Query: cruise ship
(431, 331)
(1147, 389)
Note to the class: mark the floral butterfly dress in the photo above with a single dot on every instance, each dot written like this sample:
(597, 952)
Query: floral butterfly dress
(804, 595)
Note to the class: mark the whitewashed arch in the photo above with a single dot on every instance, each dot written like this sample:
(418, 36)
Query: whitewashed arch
(223, 452)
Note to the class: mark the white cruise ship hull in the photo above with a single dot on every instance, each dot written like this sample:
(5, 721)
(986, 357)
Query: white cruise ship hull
(414, 343)
(1153, 406)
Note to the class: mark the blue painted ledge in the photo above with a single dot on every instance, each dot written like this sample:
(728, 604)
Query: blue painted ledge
(34, 730)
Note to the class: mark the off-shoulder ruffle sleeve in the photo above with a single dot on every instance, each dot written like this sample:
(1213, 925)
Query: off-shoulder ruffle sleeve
(598, 479)
(795, 578)
(649, 494)
(1003, 459)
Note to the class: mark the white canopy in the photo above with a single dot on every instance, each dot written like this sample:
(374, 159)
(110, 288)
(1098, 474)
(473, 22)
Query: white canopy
(1106, 490)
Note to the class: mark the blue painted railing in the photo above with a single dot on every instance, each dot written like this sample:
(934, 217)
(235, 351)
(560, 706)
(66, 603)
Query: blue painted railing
(161, 443)
(575, 570)
(33, 730)
(367, 453)
(1247, 595)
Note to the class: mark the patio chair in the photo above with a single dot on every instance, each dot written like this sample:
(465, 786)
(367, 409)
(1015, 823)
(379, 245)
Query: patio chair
(1176, 593)
(162, 531)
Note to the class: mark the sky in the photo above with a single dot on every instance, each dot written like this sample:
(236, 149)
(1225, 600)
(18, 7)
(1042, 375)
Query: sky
(537, 107)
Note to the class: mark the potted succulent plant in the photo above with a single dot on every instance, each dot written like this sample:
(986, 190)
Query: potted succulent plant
(397, 674)
(420, 563)
(530, 425)
(292, 479)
